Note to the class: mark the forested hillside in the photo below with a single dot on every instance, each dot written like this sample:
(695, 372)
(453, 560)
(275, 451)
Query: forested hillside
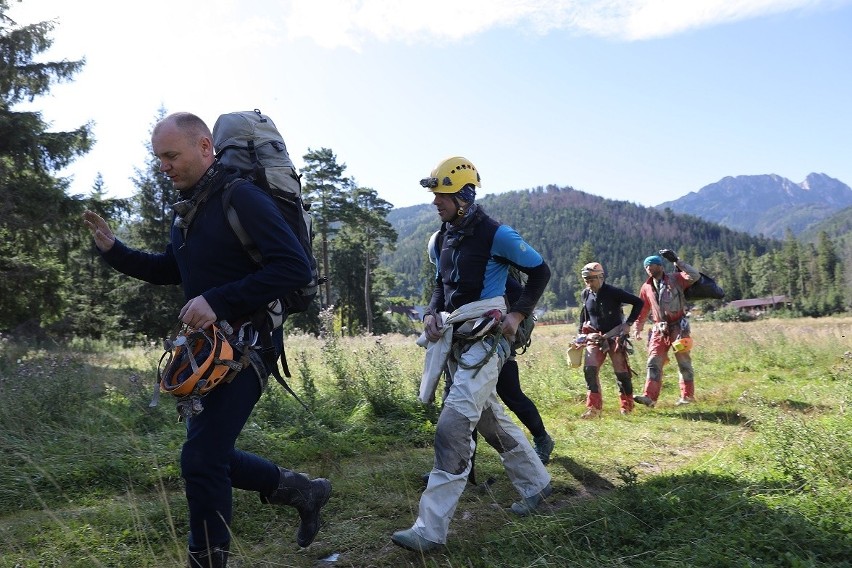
(560, 222)
(838, 228)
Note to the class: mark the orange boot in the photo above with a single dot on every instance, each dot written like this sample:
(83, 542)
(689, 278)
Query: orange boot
(626, 403)
(594, 404)
(687, 393)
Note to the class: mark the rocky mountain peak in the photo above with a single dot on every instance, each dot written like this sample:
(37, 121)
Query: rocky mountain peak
(766, 204)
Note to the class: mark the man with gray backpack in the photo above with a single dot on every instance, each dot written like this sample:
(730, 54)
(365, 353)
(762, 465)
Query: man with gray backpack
(221, 283)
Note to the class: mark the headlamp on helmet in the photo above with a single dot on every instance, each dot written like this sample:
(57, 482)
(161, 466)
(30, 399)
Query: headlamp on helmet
(451, 176)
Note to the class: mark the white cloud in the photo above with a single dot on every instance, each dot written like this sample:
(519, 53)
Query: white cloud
(659, 18)
(349, 23)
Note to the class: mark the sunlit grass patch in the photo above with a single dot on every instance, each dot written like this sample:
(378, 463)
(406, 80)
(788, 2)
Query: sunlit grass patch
(90, 475)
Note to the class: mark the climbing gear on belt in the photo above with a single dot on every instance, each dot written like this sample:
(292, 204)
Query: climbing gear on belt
(487, 328)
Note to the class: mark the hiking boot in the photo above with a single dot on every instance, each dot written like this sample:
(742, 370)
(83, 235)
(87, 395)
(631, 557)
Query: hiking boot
(410, 540)
(591, 413)
(543, 446)
(646, 400)
(529, 504)
(309, 511)
(306, 496)
(216, 557)
(685, 400)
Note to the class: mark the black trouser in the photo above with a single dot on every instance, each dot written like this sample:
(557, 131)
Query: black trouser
(509, 391)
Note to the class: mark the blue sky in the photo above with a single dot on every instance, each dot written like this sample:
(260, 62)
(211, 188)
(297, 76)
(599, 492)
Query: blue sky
(636, 100)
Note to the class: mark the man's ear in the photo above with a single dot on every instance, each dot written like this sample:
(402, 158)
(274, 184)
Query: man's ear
(206, 146)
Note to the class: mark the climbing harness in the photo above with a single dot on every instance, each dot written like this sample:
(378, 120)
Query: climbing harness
(487, 328)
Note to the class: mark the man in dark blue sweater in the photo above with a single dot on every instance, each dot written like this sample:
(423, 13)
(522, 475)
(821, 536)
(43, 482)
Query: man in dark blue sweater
(220, 282)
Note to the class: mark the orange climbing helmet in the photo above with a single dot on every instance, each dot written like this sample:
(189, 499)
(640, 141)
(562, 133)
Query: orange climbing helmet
(196, 361)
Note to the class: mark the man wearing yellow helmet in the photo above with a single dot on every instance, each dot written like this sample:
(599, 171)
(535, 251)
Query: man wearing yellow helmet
(467, 332)
(601, 320)
(509, 381)
(665, 303)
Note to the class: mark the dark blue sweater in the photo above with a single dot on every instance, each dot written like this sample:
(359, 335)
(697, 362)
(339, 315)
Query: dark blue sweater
(210, 260)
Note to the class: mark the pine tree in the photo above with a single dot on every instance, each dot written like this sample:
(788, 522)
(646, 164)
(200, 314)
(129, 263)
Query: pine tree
(368, 233)
(790, 263)
(92, 301)
(36, 214)
(830, 268)
(326, 189)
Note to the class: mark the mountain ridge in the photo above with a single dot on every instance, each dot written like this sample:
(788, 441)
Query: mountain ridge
(570, 227)
(766, 204)
(564, 224)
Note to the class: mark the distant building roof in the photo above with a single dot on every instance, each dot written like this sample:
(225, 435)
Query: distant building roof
(758, 302)
(414, 313)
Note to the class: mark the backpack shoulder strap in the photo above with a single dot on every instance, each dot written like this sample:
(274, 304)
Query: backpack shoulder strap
(584, 295)
(259, 320)
(234, 221)
(439, 241)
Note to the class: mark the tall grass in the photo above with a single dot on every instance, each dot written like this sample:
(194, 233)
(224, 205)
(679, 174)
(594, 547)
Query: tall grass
(757, 473)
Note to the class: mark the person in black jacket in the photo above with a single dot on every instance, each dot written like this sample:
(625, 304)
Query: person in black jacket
(510, 392)
(601, 320)
(220, 282)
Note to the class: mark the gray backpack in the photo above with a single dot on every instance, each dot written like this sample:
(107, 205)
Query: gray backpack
(250, 142)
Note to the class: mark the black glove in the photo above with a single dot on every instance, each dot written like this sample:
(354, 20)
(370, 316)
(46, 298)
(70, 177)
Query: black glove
(668, 255)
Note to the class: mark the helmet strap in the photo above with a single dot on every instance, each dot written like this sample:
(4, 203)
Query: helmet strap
(460, 210)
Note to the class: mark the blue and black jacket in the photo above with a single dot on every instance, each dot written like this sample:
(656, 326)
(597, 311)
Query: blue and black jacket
(473, 260)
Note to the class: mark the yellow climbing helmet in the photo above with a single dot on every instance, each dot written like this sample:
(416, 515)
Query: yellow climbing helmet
(451, 175)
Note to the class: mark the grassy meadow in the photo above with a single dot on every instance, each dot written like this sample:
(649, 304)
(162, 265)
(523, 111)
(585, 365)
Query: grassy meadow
(756, 473)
